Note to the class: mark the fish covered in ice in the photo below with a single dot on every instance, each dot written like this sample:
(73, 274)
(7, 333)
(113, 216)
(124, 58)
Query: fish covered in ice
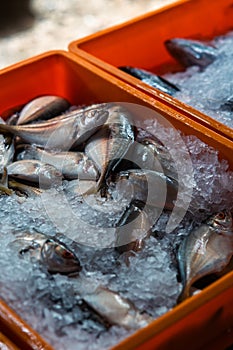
(151, 79)
(116, 309)
(72, 165)
(208, 249)
(34, 171)
(53, 254)
(109, 145)
(191, 52)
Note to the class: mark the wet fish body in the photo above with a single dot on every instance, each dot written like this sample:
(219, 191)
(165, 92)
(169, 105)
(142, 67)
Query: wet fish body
(150, 187)
(34, 171)
(63, 132)
(56, 256)
(43, 107)
(108, 146)
(132, 230)
(150, 154)
(151, 79)
(115, 309)
(72, 165)
(191, 52)
(207, 249)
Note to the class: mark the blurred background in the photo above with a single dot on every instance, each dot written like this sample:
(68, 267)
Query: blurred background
(30, 27)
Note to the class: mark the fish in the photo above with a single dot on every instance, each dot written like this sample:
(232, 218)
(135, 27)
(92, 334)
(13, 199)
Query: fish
(116, 309)
(151, 79)
(58, 258)
(43, 107)
(61, 132)
(191, 52)
(131, 230)
(72, 165)
(207, 249)
(149, 187)
(34, 171)
(151, 154)
(54, 255)
(109, 145)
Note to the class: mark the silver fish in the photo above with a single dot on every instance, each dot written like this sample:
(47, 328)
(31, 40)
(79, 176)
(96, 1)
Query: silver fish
(132, 230)
(150, 187)
(150, 154)
(72, 165)
(34, 171)
(115, 309)
(151, 79)
(191, 52)
(108, 146)
(207, 249)
(56, 256)
(43, 107)
(63, 132)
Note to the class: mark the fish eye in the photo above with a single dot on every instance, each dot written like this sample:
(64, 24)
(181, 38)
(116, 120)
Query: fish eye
(221, 215)
(66, 254)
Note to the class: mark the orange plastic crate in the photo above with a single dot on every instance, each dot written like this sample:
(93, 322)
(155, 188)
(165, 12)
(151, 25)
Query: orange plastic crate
(200, 320)
(140, 43)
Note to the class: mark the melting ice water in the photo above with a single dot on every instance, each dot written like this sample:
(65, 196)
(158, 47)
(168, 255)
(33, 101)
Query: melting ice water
(209, 89)
(52, 304)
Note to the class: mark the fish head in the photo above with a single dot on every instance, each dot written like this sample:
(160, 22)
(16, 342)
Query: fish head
(93, 117)
(222, 222)
(58, 258)
(191, 52)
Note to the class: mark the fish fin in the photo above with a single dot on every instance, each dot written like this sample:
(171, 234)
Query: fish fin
(4, 183)
(7, 129)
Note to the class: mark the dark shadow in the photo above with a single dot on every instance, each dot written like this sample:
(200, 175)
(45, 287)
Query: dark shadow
(15, 16)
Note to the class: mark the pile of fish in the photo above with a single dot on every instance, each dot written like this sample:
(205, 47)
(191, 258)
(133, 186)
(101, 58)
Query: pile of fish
(204, 83)
(90, 151)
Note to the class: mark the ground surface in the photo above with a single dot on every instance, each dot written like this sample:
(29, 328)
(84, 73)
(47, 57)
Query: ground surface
(30, 27)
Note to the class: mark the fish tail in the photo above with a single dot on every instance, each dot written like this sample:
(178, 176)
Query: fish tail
(7, 129)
